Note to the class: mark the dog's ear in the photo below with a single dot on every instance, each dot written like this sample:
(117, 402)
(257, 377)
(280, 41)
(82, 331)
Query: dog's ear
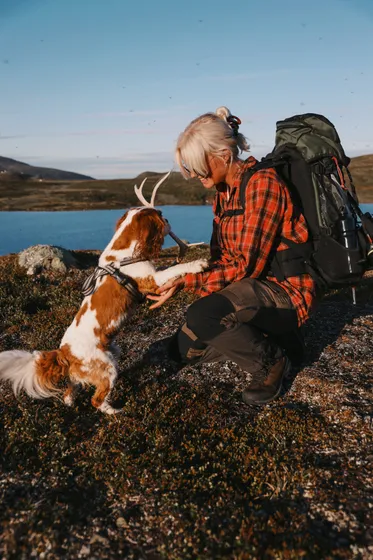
(150, 234)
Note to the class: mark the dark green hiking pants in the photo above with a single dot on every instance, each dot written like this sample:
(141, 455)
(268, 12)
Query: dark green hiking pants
(251, 322)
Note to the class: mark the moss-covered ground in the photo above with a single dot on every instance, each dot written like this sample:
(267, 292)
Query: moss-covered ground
(187, 470)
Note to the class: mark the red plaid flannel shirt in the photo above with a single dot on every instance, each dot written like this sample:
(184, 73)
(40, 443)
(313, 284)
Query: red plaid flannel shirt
(241, 244)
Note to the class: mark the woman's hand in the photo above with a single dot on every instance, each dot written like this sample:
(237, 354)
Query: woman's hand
(166, 291)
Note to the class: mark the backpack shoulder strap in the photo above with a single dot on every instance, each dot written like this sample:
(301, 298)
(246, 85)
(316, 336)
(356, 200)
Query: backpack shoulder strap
(266, 163)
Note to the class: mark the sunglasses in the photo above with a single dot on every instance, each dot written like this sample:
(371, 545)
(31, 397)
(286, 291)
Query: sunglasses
(198, 175)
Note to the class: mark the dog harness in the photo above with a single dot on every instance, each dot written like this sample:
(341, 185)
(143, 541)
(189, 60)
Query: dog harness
(90, 284)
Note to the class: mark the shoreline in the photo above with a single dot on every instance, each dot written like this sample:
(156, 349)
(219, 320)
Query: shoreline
(120, 207)
(103, 208)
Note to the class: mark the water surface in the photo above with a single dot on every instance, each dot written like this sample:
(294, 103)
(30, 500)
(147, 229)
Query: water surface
(93, 229)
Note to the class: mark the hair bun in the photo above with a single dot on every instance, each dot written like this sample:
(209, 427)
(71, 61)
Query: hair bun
(223, 113)
(233, 121)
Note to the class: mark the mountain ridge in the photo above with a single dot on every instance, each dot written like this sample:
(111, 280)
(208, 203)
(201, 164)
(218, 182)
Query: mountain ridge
(22, 192)
(18, 169)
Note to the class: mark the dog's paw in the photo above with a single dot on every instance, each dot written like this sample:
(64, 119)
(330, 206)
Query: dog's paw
(68, 400)
(107, 409)
(199, 266)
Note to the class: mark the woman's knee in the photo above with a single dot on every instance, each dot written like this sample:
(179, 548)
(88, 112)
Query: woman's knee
(204, 316)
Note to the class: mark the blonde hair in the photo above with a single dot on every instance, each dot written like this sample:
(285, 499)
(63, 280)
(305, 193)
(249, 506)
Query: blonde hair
(211, 133)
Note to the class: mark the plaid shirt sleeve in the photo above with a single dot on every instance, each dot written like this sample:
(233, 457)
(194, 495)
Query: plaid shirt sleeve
(264, 211)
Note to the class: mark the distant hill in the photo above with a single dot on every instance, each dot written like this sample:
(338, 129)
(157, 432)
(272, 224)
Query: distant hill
(106, 194)
(361, 168)
(13, 169)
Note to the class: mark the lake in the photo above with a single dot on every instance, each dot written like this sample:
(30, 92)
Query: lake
(93, 229)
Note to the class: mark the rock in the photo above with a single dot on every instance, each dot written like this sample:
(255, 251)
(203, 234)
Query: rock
(46, 257)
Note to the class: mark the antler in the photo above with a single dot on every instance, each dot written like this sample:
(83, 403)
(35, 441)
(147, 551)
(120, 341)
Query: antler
(183, 247)
(140, 196)
(157, 187)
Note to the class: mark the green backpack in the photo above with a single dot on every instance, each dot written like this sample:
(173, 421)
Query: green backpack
(309, 157)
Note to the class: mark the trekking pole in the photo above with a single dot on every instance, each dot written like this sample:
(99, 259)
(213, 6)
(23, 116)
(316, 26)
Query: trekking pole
(349, 240)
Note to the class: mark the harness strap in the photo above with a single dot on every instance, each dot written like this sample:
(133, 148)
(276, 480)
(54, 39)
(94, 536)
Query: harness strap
(90, 284)
(130, 260)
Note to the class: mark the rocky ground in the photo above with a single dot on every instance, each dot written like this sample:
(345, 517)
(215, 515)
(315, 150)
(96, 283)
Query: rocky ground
(187, 470)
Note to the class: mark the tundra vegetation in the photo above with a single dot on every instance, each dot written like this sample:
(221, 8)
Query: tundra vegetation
(186, 470)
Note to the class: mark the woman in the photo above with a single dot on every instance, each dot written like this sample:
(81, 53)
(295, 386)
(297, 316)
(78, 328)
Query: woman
(246, 315)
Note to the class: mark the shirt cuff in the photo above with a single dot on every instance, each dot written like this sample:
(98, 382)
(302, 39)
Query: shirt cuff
(191, 282)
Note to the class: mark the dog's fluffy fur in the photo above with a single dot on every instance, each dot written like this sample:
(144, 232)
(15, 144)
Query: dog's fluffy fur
(87, 355)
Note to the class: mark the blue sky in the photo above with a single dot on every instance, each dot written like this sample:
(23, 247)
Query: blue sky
(104, 87)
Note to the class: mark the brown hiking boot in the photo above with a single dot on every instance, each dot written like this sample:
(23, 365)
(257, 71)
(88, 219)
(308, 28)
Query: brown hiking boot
(270, 388)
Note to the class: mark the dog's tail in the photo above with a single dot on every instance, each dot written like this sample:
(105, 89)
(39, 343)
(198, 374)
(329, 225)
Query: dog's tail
(38, 373)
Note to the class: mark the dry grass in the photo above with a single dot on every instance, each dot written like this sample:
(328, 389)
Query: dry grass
(96, 195)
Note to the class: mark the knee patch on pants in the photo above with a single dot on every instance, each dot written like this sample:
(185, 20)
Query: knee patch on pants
(204, 317)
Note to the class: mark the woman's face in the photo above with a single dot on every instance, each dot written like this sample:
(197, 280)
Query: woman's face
(218, 167)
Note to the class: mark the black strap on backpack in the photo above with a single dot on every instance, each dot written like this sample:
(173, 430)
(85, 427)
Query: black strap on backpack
(295, 260)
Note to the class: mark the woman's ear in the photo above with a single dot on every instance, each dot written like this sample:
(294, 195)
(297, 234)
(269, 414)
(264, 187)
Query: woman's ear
(226, 156)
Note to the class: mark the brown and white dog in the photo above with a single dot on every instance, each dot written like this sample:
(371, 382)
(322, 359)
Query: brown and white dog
(87, 355)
